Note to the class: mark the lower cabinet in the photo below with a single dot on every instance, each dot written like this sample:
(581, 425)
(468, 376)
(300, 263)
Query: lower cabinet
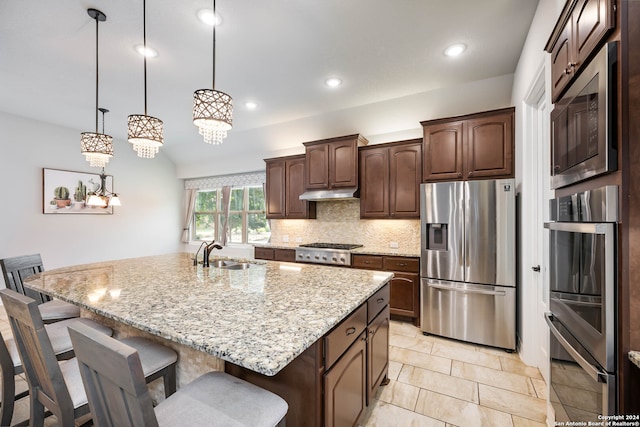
(274, 254)
(377, 353)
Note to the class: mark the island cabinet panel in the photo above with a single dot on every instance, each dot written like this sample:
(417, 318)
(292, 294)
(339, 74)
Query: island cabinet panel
(285, 184)
(390, 176)
(332, 163)
(263, 253)
(275, 254)
(476, 146)
(377, 352)
(579, 32)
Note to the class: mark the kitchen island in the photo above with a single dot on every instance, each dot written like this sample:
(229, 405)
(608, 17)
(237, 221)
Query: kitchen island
(258, 319)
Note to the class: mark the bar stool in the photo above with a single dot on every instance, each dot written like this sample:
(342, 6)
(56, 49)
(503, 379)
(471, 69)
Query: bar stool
(16, 269)
(58, 385)
(10, 363)
(118, 397)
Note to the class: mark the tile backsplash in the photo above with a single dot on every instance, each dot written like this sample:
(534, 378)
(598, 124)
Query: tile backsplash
(339, 222)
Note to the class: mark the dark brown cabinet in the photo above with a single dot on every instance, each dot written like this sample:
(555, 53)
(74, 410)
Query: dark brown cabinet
(377, 352)
(390, 177)
(275, 254)
(475, 146)
(582, 26)
(405, 285)
(285, 183)
(332, 163)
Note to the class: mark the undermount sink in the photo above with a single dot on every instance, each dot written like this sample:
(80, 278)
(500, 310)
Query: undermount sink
(231, 265)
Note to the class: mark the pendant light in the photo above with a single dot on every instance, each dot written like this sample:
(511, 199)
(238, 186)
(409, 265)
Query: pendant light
(145, 132)
(102, 197)
(96, 147)
(212, 109)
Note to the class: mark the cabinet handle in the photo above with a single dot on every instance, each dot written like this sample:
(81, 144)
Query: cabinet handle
(470, 173)
(402, 264)
(367, 262)
(459, 174)
(351, 331)
(380, 300)
(371, 332)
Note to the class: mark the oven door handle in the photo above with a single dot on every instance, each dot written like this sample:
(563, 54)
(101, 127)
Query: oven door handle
(581, 227)
(466, 291)
(593, 372)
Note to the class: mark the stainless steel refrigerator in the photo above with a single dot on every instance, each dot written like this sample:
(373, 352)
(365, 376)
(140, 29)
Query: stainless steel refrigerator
(468, 261)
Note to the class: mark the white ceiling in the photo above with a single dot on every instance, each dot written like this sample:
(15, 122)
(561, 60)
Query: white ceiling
(275, 52)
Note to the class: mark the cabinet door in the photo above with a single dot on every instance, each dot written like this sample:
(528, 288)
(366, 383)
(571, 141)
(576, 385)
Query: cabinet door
(592, 19)
(317, 167)
(489, 147)
(294, 207)
(377, 352)
(345, 387)
(263, 253)
(343, 164)
(288, 255)
(374, 183)
(405, 170)
(561, 57)
(275, 189)
(442, 152)
(405, 300)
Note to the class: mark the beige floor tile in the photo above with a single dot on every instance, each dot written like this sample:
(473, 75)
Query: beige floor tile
(519, 367)
(403, 328)
(541, 388)
(525, 422)
(394, 370)
(440, 383)
(450, 342)
(498, 352)
(460, 412)
(466, 355)
(386, 415)
(506, 380)
(417, 343)
(513, 403)
(421, 360)
(399, 394)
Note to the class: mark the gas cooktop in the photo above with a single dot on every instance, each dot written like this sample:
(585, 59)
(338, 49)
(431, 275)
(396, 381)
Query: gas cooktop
(342, 246)
(325, 253)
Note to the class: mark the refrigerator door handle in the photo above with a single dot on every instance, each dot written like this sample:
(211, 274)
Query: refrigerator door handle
(593, 372)
(466, 291)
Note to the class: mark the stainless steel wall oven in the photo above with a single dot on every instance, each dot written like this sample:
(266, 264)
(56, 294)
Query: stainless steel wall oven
(582, 302)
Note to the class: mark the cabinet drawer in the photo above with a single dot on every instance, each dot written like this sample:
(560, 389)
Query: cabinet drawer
(263, 253)
(288, 255)
(339, 340)
(377, 302)
(411, 265)
(371, 262)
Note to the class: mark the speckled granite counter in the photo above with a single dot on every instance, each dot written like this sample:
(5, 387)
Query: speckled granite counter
(260, 318)
(365, 250)
(634, 356)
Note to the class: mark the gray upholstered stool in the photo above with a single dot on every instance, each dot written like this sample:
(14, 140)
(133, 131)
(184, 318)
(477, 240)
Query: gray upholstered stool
(11, 365)
(112, 376)
(16, 269)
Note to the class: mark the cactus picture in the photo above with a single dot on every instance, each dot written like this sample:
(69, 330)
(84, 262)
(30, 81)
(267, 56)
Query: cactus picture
(65, 192)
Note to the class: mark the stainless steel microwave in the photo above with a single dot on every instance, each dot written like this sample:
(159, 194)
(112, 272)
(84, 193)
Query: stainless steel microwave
(583, 123)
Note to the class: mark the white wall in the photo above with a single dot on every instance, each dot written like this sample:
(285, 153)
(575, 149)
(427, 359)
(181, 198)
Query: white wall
(147, 223)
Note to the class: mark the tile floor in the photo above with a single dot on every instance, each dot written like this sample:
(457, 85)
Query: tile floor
(433, 382)
(446, 383)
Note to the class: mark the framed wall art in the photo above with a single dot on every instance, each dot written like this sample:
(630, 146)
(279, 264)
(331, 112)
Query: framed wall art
(67, 192)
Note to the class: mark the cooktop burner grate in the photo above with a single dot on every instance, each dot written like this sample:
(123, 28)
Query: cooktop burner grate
(342, 246)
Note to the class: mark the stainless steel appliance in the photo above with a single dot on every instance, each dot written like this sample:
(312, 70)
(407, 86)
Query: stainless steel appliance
(468, 261)
(582, 303)
(583, 123)
(325, 253)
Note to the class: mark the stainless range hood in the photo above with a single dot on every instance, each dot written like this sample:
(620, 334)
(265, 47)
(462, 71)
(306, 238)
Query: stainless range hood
(336, 194)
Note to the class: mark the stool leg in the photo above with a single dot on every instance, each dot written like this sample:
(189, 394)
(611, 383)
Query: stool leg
(282, 422)
(170, 380)
(8, 393)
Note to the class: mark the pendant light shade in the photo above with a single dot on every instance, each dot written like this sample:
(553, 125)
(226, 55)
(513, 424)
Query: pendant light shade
(96, 147)
(212, 109)
(145, 132)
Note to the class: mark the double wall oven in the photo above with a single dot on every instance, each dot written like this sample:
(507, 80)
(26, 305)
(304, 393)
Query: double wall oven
(582, 302)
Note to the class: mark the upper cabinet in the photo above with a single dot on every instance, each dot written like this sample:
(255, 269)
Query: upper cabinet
(332, 163)
(390, 180)
(285, 183)
(582, 26)
(476, 146)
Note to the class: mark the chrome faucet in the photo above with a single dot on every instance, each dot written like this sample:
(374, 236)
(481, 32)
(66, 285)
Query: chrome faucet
(207, 251)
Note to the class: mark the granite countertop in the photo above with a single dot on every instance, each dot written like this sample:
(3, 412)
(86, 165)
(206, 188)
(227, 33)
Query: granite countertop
(365, 250)
(634, 356)
(260, 318)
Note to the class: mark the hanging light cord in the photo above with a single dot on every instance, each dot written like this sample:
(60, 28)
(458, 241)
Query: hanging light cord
(144, 42)
(97, 70)
(215, 19)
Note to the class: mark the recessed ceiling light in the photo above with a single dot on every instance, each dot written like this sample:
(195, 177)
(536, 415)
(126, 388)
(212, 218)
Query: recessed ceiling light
(251, 105)
(455, 49)
(333, 82)
(206, 16)
(148, 51)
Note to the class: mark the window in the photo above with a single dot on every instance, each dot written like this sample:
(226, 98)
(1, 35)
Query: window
(247, 217)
